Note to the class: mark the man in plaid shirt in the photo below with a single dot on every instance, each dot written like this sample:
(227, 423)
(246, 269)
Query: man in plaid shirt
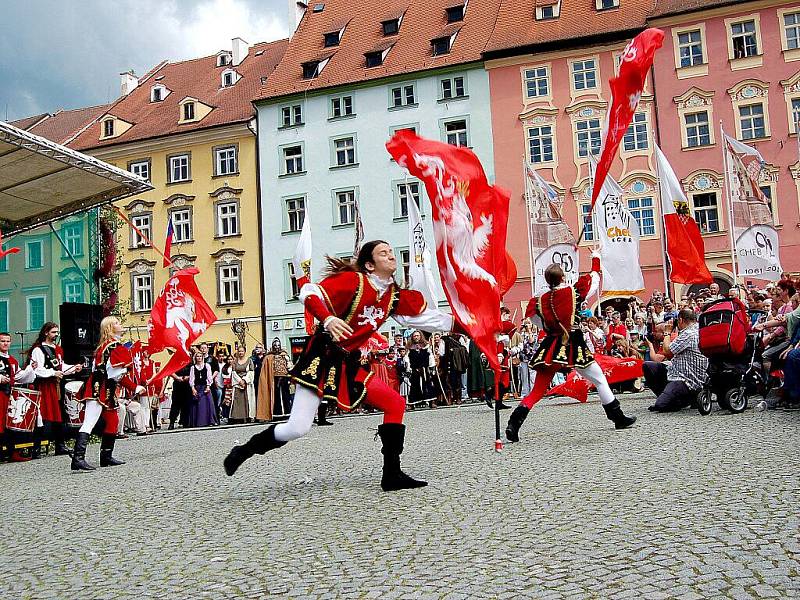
(677, 382)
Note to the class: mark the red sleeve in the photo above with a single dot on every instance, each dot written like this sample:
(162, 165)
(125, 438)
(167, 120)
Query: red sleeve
(410, 303)
(531, 310)
(337, 291)
(584, 283)
(128, 382)
(120, 356)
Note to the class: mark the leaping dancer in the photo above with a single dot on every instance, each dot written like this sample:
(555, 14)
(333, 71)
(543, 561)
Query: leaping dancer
(351, 303)
(564, 347)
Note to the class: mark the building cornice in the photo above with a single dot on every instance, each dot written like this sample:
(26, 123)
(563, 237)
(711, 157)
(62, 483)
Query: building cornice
(558, 48)
(699, 14)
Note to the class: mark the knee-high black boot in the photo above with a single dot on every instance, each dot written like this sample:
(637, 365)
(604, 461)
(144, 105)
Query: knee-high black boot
(321, 414)
(79, 454)
(59, 440)
(107, 450)
(515, 421)
(615, 414)
(260, 443)
(392, 435)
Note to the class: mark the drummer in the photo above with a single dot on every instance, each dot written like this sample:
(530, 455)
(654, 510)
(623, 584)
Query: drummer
(11, 375)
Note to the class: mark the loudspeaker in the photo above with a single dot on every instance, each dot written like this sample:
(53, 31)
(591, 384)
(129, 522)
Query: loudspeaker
(80, 330)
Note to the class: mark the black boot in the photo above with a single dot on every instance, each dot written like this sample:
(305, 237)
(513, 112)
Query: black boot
(58, 438)
(107, 450)
(321, 414)
(392, 436)
(260, 443)
(615, 414)
(515, 421)
(79, 454)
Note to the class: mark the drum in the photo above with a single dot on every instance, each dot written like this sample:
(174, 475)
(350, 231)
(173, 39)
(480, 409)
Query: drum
(72, 403)
(23, 408)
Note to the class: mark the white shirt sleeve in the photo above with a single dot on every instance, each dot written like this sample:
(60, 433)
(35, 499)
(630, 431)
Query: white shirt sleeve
(431, 319)
(26, 375)
(38, 356)
(115, 373)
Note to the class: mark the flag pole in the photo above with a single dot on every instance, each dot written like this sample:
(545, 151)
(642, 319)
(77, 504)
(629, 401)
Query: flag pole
(729, 190)
(663, 235)
(528, 220)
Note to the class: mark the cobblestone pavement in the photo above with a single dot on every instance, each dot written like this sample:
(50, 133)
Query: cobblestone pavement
(681, 506)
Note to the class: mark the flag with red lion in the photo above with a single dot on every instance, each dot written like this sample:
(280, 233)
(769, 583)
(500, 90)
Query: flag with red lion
(470, 218)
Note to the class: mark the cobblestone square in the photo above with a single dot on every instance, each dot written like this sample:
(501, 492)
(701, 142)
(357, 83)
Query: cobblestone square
(681, 506)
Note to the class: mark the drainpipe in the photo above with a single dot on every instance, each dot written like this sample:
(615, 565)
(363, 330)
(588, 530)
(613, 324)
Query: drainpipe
(252, 125)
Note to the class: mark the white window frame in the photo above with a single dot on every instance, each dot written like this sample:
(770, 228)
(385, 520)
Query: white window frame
(455, 135)
(295, 216)
(348, 152)
(293, 160)
(541, 139)
(350, 197)
(790, 44)
(294, 112)
(637, 210)
(583, 73)
(28, 265)
(29, 324)
(226, 155)
(402, 196)
(640, 124)
(229, 283)
(407, 95)
(142, 295)
(70, 295)
(341, 101)
(175, 163)
(702, 220)
(72, 236)
(592, 132)
(696, 126)
(227, 215)
(182, 223)
(536, 75)
(140, 168)
(450, 82)
(146, 228)
(292, 287)
(751, 119)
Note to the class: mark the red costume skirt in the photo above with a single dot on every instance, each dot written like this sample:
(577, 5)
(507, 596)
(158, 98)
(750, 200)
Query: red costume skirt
(50, 399)
(556, 351)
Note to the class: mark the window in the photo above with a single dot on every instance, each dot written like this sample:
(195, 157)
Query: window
(188, 111)
(225, 161)
(456, 133)
(743, 38)
(36, 312)
(344, 152)
(294, 287)
(4, 264)
(588, 137)
(227, 219)
(405, 264)
(108, 128)
(413, 127)
(636, 136)
(606, 4)
(697, 130)
(140, 168)
(642, 210)
(311, 69)
(588, 225)
(4, 315)
(795, 114)
(223, 60)
(791, 30)
(156, 93)
(540, 143)
(292, 116)
(440, 46)
(295, 213)
(391, 27)
(690, 48)
(544, 13)
(144, 224)
(345, 207)
(292, 160)
(705, 212)
(34, 255)
(73, 290)
(453, 87)
(181, 225)
(341, 106)
(405, 191)
(455, 13)
(402, 95)
(751, 120)
(537, 83)
(767, 191)
(178, 168)
(332, 38)
(227, 79)
(142, 292)
(230, 284)
(72, 236)
(584, 74)
(374, 59)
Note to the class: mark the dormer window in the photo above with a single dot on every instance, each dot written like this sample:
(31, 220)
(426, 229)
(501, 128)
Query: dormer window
(391, 27)
(455, 13)
(224, 59)
(229, 77)
(332, 38)
(441, 46)
(606, 4)
(158, 93)
(313, 68)
(108, 128)
(188, 111)
(374, 59)
(545, 12)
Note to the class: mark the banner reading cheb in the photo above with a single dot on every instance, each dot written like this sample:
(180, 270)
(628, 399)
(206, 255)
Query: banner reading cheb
(179, 316)
(420, 274)
(551, 238)
(470, 218)
(685, 246)
(755, 237)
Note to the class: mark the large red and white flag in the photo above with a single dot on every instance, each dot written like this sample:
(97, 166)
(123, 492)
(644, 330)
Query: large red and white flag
(179, 316)
(470, 218)
(616, 370)
(685, 246)
(626, 90)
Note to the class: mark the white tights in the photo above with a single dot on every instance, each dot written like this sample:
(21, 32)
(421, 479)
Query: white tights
(595, 374)
(304, 409)
(91, 415)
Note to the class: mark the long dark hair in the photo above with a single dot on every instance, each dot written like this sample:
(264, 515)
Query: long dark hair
(40, 338)
(340, 265)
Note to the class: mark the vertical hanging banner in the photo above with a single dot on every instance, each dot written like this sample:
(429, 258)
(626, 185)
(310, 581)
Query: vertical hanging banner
(301, 263)
(420, 275)
(551, 239)
(755, 237)
(618, 233)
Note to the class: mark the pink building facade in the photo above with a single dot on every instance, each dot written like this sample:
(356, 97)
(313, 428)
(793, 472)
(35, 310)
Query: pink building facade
(738, 65)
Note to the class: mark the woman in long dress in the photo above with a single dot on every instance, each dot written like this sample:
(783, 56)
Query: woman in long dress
(242, 387)
(202, 411)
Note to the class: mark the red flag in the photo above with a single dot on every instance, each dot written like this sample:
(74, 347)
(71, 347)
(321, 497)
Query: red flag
(470, 218)
(615, 370)
(168, 244)
(4, 253)
(626, 89)
(180, 315)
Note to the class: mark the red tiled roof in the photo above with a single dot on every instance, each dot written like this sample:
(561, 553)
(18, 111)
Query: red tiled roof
(517, 26)
(423, 21)
(65, 124)
(669, 7)
(28, 121)
(199, 78)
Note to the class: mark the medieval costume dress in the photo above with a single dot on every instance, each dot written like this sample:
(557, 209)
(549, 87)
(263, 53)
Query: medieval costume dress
(112, 373)
(334, 370)
(564, 347)
(266, 388)
(202, 410)
(11, 373)
(50, 358)
(242, 388)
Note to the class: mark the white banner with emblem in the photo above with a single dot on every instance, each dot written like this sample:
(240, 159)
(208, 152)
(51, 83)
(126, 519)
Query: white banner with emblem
(565, 255)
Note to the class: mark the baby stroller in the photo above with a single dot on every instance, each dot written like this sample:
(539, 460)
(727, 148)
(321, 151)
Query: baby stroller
(734, 356)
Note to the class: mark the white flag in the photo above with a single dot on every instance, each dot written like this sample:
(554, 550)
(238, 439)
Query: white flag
(618, 233)
(420, 276)
(302, 254)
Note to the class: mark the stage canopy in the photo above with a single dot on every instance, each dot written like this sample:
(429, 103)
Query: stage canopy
(41, 181)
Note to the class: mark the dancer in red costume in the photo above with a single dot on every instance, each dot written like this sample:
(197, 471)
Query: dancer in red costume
(112, 368)
(11, 375)
(564, 346)
(351, 303)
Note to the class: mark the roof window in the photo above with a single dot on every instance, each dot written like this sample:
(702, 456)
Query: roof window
(546, 10)
(374, 59)
(158, 93)
(606, 4)
(318, 8)
(312, 68)
(224, 59)
(391, 27)
(332, 38)
(455, 13)
(440, 46)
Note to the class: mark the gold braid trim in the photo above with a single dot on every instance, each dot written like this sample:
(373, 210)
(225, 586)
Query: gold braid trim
(356, 299)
